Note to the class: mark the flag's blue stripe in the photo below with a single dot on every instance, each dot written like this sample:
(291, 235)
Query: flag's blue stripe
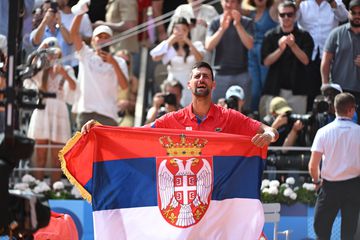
(130, 183)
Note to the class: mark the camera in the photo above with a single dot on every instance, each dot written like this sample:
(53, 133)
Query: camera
(232, 103)
(304, 118)
(170, 99)
(105, 49)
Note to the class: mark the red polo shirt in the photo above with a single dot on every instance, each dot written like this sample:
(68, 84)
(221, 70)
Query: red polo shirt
(218, 119)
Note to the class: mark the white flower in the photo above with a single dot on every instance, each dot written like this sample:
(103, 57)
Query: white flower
(265, 183)
(58, 194)
(284, 185)
(296, 188)
(27, 178)
(274, 183)
(21, 186)
(58, 185)
(293, 196)
(288, 192)
(309, 186)
(290, 180)
(75, 192)
(266, 190)
(41, 187)
(273, 190)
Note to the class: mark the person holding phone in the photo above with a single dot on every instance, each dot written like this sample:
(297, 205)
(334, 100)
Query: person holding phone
(100, 74)
(52, 26)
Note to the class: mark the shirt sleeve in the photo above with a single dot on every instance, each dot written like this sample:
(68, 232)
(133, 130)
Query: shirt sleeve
(341, 13)
(214, 26)
(164, 49)
(123, 66)
(85, 27)
(330, 44)
(200, 47)
(317, 145)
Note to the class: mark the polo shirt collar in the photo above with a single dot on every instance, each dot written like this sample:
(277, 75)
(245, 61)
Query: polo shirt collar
(210, 114)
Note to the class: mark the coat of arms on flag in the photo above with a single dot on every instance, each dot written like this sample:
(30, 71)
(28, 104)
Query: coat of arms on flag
(184, 181)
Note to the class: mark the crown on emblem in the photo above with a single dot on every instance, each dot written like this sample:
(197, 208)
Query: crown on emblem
(184, 147)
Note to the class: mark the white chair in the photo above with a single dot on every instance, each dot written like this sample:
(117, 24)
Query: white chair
(272, 215)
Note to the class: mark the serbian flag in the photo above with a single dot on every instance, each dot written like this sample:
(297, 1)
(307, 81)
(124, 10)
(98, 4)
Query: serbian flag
(146, 183)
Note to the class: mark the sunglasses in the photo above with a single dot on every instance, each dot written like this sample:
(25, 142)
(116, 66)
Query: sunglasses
(289, 15)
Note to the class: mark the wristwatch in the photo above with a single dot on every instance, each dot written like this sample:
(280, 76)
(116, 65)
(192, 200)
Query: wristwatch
(316, 182)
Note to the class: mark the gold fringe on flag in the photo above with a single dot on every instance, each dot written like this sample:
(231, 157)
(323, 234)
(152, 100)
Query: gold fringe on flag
(84, 193)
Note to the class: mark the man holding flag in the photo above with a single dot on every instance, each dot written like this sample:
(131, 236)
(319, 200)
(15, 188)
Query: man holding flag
(203, 115)
(177, 180)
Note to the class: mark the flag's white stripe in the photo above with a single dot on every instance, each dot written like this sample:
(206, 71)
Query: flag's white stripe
(227, 219)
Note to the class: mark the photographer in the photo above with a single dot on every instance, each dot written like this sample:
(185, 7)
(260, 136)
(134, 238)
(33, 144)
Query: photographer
(279, 117)
(51, 125)
(166, 101)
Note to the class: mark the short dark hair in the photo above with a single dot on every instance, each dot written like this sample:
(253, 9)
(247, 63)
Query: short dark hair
(288, 4)
(269, 3)
(344, 102)
(172, 83)
(203, 65)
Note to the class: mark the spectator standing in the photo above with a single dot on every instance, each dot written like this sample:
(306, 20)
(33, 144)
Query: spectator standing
(100, 75)
(121, 15)
(341, 60)
(318, 17)
(230, 35)
(180, 54)
(265, 18)
(52, 124)
(337, 147)
(85, 30)
(199, 15)
(286, 50)
(52, 26)
(162, 7)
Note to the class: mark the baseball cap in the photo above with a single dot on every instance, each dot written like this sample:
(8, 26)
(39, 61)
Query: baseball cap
(50, 42)
(354, 3)
(327, 86)
(279, 106)
(102, 29)
(235, 91)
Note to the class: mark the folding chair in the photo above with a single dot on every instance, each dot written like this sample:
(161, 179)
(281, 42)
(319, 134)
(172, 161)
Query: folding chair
(272, 215)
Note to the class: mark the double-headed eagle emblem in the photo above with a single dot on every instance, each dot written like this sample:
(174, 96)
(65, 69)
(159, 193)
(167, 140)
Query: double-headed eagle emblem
(184, 181)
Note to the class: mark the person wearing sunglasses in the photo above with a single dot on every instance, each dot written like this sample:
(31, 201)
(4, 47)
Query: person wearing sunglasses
(341, 59)
(286, 50)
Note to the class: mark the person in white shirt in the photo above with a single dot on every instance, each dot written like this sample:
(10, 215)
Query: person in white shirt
(337, 147)
(100, 74)
(85, 30)
(319, 17)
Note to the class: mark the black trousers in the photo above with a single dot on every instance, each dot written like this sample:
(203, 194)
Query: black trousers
(335, 196)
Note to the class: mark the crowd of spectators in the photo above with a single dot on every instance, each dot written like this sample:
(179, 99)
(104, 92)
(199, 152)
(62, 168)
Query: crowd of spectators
(274, 56)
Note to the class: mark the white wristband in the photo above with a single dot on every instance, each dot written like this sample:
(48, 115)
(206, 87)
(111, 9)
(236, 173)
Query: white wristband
(271, 134)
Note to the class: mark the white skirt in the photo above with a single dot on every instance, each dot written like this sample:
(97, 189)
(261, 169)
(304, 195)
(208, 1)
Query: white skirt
(51, 123)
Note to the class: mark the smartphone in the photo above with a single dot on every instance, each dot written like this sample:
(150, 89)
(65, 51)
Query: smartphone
(54, 6)
(106, 49)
